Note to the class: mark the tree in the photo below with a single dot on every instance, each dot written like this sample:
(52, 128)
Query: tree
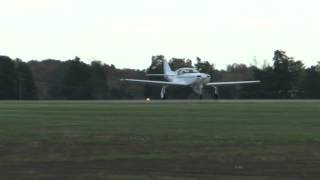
(76, 83)
(282, 75)
(45, 76)
(16, 79)
(297, 73)
(74, 79)
(263, 90)
(8, 79)
(204, 67)
(176, 63)
(99, 80)
(71, 80)
(288, 75)
(312, 82)
(25, 82)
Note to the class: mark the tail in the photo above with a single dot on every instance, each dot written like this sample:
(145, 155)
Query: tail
(166, 68)
(167, 72)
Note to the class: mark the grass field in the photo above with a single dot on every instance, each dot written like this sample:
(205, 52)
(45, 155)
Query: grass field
(163, 141)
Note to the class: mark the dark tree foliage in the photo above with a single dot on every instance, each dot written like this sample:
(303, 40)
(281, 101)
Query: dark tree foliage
(8, 79)
(238, 72)
(99, 80)
(25, 82)
(285, 79)
(176, 63)
(312, 82)
(204, 67)
(263, 90)
(282, 76)
(16, 79)
(44, 76)
(122, 90)
(74, 79)
(288, 76)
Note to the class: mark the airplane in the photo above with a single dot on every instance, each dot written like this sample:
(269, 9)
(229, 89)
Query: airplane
(186, 77)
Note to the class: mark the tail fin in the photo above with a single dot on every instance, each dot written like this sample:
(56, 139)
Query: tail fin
(166, 68)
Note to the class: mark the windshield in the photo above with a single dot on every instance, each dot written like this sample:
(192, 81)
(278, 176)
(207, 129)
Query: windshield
(187, 70)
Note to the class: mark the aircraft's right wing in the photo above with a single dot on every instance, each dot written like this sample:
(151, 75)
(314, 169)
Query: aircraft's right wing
(231, 83)
(154, 82)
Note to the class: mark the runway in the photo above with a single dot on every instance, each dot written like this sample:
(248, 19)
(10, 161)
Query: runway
(193, 101)
(170, 101)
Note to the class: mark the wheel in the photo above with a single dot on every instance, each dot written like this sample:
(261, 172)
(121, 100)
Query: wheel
(164, 97)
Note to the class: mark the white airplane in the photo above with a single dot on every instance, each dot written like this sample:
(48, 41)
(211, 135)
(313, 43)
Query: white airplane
(187, 77)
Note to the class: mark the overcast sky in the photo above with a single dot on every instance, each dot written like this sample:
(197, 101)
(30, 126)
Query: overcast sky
(127, 33)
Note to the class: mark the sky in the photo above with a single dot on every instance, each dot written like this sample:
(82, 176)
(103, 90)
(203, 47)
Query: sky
(127, 33)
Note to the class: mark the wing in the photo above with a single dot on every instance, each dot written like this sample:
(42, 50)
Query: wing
(154, 82)
(231, 83)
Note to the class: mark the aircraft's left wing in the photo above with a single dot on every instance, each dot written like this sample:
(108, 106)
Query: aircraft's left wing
(231, 83)
(154, 82)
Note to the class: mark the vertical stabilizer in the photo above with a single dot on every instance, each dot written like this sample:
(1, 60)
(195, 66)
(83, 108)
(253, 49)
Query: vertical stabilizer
(166, 68)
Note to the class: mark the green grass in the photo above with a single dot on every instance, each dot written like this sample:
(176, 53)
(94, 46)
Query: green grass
(222, 132)
(217, 123)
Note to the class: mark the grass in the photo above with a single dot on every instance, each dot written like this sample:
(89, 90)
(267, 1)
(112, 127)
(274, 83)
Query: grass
(205, 134)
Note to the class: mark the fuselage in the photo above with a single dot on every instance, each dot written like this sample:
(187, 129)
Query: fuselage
(189, 76)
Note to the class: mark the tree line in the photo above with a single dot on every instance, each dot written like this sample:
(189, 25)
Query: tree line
(285, 78)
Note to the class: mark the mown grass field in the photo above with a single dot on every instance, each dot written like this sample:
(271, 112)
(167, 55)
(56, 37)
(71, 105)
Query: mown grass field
(164, 141)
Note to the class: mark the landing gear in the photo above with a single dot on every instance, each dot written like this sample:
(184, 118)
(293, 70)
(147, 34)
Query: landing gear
(200, 92)
(198, 89)
(215, 93)
(215, 96)
(163, 93)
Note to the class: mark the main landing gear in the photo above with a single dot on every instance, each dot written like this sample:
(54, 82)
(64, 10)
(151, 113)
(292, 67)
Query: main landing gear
(200, 96)
(215, 93)
(163, 93)
(198, 89)
(201, 92)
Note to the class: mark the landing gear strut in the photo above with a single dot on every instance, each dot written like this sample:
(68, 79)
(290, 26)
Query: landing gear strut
(200, 96)
(163, 93)
(201, 92)
(215, 93)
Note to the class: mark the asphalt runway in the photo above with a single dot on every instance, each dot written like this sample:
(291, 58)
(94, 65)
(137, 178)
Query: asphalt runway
(197, 101)
(169, 101)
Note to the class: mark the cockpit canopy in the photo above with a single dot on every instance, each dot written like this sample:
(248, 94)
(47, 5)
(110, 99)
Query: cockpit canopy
(186, 70)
